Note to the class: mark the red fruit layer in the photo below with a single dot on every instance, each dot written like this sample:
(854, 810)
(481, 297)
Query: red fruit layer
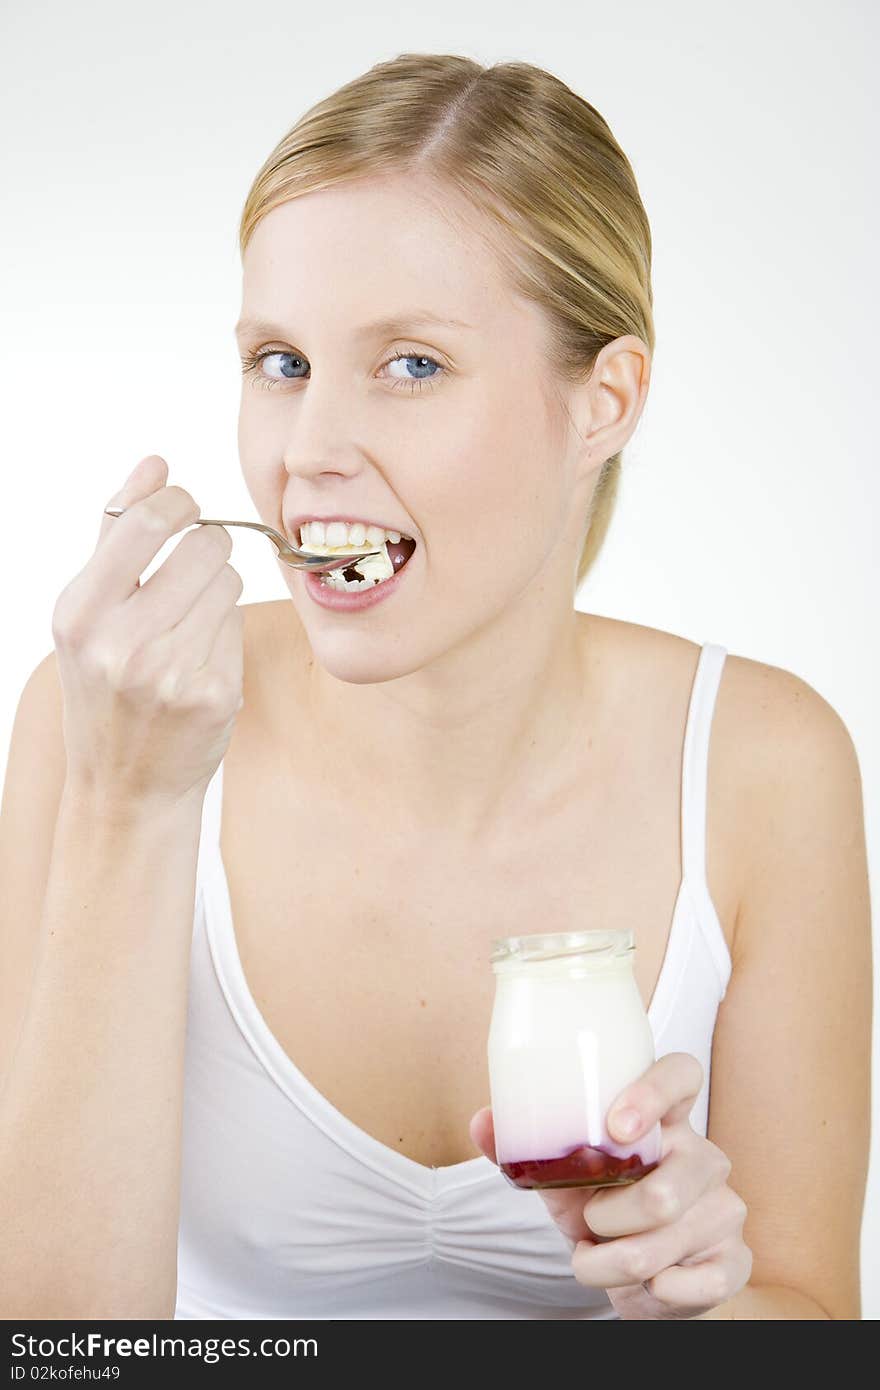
(582, 1166)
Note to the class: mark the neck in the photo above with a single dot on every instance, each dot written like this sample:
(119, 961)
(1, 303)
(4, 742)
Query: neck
(489, 733)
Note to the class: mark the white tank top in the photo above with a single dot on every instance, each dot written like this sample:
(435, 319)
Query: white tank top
(289, 1210)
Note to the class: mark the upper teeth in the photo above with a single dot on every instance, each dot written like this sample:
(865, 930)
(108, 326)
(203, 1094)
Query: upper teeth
(319, 536)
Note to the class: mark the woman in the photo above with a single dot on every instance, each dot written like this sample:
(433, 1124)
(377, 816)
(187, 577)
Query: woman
(446, 333)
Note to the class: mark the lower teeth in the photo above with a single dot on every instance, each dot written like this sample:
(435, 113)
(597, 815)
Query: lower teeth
(337, 579)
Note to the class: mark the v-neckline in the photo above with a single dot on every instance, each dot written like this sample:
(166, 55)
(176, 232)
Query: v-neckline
(420, 1178)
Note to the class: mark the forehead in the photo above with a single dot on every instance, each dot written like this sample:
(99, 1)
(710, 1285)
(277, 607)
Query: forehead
(371, 246)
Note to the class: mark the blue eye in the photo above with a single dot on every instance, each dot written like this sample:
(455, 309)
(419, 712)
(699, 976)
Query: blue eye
(252, 363)
(413, 357)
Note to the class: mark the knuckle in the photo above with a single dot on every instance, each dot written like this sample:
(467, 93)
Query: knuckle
(170, 687)
(218, 538)
(68, 626)
(738, 1208)
(110, 665)
(662, 1201)
(634, 1263)
(747, 1265)
(209, 692)
(578, 1256)
(178, 495)
(151, 517)
(213, 697)
(129, 673)
(693, 1067)
(717, 1284)
(720, 1163)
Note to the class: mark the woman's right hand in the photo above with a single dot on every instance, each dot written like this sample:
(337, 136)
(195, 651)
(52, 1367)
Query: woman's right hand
(151, 676)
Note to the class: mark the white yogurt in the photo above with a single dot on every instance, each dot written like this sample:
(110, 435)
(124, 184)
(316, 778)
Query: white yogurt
(568, 1033)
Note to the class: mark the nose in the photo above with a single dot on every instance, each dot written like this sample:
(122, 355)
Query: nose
(320, 438)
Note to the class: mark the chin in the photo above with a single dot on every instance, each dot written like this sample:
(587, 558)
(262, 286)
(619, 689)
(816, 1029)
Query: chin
(339, 657)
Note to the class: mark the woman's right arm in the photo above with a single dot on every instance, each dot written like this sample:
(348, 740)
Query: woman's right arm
(90, 1113)
(114, 744)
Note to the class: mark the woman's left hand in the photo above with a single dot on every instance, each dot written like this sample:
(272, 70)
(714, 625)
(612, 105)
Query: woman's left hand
(669, 1245)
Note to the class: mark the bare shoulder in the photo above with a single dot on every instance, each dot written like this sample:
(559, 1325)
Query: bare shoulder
(764, 715)
(778, 747)
(793, 749)
(778, 708)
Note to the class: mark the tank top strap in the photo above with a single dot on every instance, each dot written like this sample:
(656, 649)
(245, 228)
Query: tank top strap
(695, 762)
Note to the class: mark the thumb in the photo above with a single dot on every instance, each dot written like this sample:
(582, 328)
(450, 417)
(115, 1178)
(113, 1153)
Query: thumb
(482, 1132)
(567, 1206)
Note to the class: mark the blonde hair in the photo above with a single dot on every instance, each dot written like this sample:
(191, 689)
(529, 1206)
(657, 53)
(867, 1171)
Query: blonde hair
(530, 154)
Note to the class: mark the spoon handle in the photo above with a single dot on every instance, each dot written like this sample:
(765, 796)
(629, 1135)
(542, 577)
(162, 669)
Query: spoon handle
(287, 553)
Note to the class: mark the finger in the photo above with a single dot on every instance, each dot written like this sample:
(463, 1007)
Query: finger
(565, 1205)
(189, 571)
(132, 542)
(143, 480)
(632, 1259)
(665, 1092)
(705, 1284)
(146, 477)
(568, 1209)
(687, 1170)
(482, 1132)
(210, 636)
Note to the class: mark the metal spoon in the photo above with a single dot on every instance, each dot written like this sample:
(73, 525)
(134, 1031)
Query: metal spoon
(291, 555)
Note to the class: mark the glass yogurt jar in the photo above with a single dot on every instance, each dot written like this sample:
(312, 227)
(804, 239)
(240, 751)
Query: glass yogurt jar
(568, 1033)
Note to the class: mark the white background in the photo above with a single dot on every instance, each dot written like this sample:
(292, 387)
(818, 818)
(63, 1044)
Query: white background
(749, 505)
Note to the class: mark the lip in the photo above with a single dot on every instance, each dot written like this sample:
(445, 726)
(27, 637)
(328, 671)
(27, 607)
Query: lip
(293, 523)
(361, 598)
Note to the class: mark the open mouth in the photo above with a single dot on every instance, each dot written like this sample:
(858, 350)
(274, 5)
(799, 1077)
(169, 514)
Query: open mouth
(371, 569)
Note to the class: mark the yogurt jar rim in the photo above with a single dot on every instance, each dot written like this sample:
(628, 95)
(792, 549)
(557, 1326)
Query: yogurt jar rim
(598, 945)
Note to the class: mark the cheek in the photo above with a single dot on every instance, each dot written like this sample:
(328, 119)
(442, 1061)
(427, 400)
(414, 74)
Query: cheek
(244, 420)
(263, 474)
(499, 477)
(248, 444)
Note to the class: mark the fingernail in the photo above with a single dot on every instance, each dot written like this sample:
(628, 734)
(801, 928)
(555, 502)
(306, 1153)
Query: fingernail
(626, 1122)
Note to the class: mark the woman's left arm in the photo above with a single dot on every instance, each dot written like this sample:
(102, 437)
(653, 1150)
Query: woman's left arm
(790, 1096)
(761, 1219)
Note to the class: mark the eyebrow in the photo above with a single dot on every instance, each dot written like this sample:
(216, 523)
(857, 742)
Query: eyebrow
(392, 323)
